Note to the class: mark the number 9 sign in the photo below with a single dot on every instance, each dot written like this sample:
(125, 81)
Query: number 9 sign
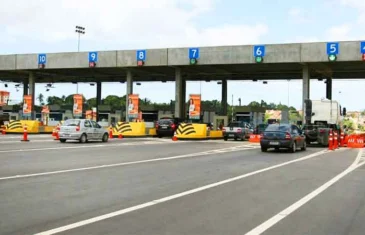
(93, 56)
(141, 55)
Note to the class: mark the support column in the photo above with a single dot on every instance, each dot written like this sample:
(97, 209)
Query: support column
(32, 93)
(224, 98)
(306, 88)
(129, 91)
(98, 99)
(329, 88)
(180, 94)
(25, 86)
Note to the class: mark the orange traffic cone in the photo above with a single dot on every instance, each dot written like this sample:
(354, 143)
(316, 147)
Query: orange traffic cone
(110, 132)
(25, 133)
(56, 135)
(174, 138)
(120, 136)
(342, 143)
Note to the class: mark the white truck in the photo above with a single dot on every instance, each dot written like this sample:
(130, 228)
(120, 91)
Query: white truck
(320, 117)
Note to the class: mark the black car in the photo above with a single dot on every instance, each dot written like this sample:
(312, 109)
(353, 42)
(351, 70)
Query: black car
(166, 127)
(286, 136)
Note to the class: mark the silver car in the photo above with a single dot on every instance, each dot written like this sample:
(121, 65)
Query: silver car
(82, 130)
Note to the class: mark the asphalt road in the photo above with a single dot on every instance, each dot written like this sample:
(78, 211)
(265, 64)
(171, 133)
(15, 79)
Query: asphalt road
(156, 186)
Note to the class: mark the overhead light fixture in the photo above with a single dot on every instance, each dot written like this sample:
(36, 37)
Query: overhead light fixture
(74, 82)
(47, 89)
(138, 83)
(6, 85)
(219, 83)
(164, 81)
(122, 81)
(207, 80)
(92, 84)
(264, 82)
(254, 80)
(320, 79)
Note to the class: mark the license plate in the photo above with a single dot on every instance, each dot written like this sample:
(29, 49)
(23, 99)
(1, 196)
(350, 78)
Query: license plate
(164, 127)
(66, 134)
(231, 135)
(274, 143)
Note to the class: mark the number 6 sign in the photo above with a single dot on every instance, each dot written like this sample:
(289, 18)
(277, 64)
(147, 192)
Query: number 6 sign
(259, 51)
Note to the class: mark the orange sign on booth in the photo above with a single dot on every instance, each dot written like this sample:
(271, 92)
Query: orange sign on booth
(133, 103)
(45, 109)
(27, 105)
(4, 97)
(77, 108)
(194, 106)
(89, 114)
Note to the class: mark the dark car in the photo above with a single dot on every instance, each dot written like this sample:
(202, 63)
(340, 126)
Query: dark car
(166, 127)
(286, 136)
(260, 128)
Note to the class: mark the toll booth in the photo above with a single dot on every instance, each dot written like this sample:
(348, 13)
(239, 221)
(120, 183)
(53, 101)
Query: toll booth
(11, 111)
(104, 113)
(149, 113)
(252, 115)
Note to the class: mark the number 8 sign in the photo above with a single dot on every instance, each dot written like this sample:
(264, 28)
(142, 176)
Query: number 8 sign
(259, 51)
(141, 55)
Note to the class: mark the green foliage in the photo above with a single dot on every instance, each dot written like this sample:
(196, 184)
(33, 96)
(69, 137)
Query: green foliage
(349, 123)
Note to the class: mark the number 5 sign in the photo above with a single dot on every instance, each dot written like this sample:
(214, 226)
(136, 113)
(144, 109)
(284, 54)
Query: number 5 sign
(259, 51)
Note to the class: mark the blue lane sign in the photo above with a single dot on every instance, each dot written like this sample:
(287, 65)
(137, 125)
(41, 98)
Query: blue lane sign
(333, 48)
(194, 53)
(93, 56)
(42, 59)
(362, 47)
(259, 51)
(141, 55)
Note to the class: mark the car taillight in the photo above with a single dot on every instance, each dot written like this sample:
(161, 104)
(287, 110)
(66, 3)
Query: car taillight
(156, 126)
(239, 130)
(321, 131)
(173, 126)
(77, 128)
(261, 136)
(287, 136)
(58, 128)
(224, 129)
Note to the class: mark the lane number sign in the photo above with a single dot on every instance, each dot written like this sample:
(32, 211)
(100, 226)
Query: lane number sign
(259, 51)
(42, 59)
(141, 55)
(194, 53)
(93, 56)
(333, 48)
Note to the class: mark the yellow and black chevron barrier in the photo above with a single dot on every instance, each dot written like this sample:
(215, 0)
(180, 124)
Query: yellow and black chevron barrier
(130, 129)
(191, 131)
(12, 125)
(185, 129)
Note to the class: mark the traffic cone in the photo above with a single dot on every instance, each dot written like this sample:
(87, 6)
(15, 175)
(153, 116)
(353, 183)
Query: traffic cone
(25, 133)
(3, 131)
(342, 142)
(54, 132)
(330, 141)
(110, 132)
(174, 138)
(57, 136)
(335, 140)
(120, 136)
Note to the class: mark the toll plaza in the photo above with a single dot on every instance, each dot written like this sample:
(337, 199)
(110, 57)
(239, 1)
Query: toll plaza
(304, 61)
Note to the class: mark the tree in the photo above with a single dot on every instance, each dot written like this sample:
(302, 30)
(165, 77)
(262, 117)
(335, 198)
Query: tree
(40, 98)
(254, 104)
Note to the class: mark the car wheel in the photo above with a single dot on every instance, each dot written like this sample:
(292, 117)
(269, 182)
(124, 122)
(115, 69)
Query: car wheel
(263, 149)
(304, 146)
(63, 140)
(83, 138)
(294, 147)
(105, 138)
(276, 149)
(159, 136)
(225, 138)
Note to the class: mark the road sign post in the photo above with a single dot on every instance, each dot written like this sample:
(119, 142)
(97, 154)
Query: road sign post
(93, 59)
(141, 56)
(333, 50)
(42, 60)
(259, 53)
(194, 55)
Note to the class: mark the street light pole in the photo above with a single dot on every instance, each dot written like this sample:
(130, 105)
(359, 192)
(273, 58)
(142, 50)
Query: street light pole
(79, 30)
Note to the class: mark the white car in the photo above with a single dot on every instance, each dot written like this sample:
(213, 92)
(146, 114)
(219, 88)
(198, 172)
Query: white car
(82, 130)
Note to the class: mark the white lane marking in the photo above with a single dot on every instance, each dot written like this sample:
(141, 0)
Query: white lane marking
(20, 136)
(169, 198)
(122, 164)
(77, 146)
(30, 140)
(284, 213)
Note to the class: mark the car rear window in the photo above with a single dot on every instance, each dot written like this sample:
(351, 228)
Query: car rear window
(71, 122)
(165, 122)
(278, 128)
(235, 124)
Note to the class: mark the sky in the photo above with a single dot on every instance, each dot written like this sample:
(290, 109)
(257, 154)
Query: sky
(41, 26)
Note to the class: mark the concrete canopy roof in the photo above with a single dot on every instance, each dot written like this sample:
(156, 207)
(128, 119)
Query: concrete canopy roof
(282, 61)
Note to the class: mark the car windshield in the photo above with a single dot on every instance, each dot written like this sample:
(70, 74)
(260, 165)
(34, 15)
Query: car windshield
(283, 128)
(71, 122)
